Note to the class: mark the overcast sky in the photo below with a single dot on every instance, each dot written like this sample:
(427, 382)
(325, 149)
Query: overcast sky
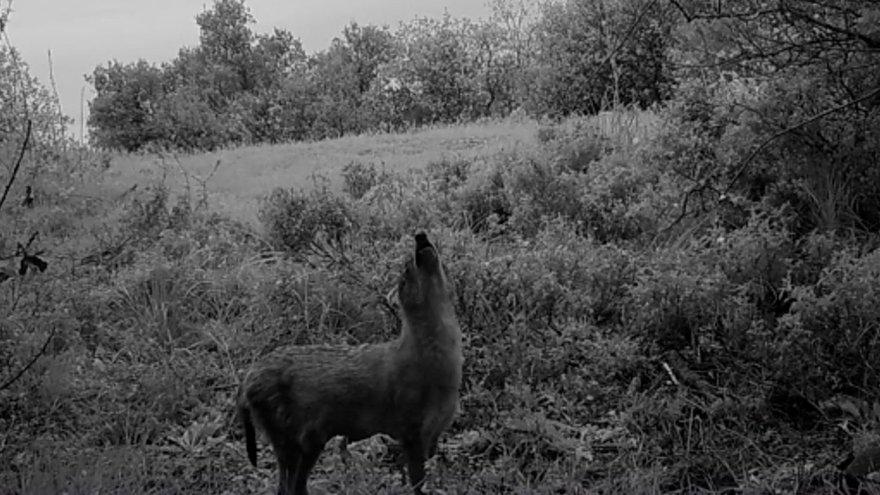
(83, 34)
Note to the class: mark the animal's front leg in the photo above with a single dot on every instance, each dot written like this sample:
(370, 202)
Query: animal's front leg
(288, 459)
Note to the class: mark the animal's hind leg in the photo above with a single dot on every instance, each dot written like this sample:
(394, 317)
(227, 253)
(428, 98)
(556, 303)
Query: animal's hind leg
(288, 459)
(432, 445)
(416, 455)
(307, 461)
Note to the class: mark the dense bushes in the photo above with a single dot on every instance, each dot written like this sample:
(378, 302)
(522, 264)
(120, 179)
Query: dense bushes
(686, 310)
(597, 337)
(573, 259)
(295, 220)
(836, 322)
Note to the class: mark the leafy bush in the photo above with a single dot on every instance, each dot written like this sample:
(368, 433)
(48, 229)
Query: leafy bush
(690, 313)
(554, 278)
(836, 322)
(485, 201)
(400, 205)
(448, 175)
(295, 220)
(680, 301)
(318, 306)
(360, 178)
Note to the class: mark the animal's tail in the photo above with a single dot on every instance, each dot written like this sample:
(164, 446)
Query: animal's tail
(250, 435)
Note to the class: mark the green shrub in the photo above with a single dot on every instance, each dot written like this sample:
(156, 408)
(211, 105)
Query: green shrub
(758, 259)
(402, 205)
(545, 282)
(448, 175)
(295, 220)
(146, 218)
(360, 177)
(574, 144)
(318, 306)
(484, 201)
(836, 323)
(682, 300)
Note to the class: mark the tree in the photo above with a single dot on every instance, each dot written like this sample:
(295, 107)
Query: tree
(226, 42)
(439, 63)
(514, 22)
(334, 75)
(592, 55)
(343, 74)
(369, 47)
(121, 114)
(790, 97)
(275, 57)
(23, 98)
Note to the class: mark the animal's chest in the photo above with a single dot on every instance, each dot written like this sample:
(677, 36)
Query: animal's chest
(427, 381)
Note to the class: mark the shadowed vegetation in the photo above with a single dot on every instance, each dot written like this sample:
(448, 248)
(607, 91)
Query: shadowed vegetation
(674, 300)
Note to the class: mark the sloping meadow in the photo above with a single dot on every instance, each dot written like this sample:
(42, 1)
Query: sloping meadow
(609, 347)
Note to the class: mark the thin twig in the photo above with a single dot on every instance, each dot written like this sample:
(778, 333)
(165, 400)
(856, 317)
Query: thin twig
(32, 361)
(671, 373)
(871, 43)
(687, 16)
(629, 32)
(24, 145)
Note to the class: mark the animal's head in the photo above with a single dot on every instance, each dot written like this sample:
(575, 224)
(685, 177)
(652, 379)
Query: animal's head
(423, 286)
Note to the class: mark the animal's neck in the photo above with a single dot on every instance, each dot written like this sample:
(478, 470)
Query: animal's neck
(438, 331)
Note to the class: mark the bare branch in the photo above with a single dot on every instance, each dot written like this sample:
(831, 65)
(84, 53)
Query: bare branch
(31, 362)
(678, 6)
(741, 168)
(629, 32)
(873, 44)
(24, 145)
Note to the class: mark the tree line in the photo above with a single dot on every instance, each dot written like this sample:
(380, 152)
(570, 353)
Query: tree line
(238, 86)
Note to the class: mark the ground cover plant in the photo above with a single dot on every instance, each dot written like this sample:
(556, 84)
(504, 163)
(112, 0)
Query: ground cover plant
(603, 353)
(680, 299)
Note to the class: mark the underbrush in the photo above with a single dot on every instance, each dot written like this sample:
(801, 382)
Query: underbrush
(611, 345)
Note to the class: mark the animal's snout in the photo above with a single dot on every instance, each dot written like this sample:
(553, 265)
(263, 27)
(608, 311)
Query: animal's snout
(422, 241)
(426, 253)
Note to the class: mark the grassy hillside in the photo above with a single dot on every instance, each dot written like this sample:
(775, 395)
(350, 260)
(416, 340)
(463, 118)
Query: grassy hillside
(612, 344)
(247, 174)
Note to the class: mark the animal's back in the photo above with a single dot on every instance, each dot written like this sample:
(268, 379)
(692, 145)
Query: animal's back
(299, 386)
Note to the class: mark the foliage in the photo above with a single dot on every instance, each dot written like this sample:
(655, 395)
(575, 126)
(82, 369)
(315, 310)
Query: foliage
(686, 310)
(588, 59)
(780, 98)
(22, 99)
(593, 335)
(245, 87)
(835, 321)
(295, 220)
(360, 178)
